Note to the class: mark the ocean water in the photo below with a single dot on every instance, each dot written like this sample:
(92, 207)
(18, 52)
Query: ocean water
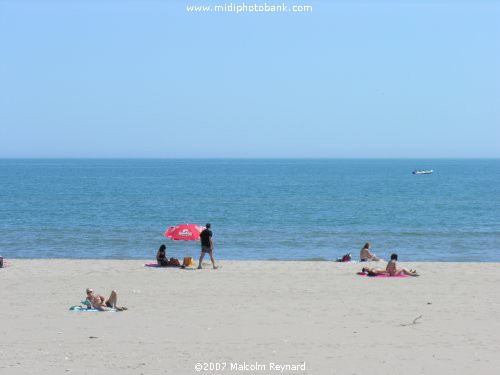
(259, 209)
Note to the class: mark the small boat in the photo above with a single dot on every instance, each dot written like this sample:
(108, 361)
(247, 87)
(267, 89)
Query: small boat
(423, 171)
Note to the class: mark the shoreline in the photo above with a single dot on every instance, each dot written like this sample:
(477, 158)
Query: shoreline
(287, 312)
(254, 260)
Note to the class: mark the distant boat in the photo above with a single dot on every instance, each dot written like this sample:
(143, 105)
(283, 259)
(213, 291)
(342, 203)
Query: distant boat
(423, 171)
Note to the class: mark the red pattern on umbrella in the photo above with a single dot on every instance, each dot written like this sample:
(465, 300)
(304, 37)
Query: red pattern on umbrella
(184, 232)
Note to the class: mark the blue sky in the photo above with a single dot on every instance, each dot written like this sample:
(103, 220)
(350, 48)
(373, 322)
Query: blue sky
(349, 79)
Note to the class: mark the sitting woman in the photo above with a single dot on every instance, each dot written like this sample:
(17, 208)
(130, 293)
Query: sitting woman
(366, 256)
(393, 270)
(161, 258)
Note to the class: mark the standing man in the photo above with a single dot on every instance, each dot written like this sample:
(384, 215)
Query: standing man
(207, 245)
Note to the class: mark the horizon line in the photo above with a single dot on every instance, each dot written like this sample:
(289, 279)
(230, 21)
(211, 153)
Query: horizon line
(249, 158)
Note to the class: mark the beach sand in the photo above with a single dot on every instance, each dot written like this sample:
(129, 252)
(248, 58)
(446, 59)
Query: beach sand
(321, 313)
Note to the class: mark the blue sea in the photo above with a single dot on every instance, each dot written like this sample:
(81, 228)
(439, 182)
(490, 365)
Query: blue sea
(282, 209)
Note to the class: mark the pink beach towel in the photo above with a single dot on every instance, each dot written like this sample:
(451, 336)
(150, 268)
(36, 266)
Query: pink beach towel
(383, 275)
(151, 265)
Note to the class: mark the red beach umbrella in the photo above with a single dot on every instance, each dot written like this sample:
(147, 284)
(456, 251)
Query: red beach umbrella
(184, 232)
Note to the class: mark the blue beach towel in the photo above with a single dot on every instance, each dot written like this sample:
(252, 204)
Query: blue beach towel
(79, 308)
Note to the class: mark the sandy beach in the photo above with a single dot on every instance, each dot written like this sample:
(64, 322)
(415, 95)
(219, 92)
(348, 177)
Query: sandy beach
(262, 313)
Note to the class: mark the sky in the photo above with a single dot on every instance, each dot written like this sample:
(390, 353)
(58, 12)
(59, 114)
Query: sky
(149, 79)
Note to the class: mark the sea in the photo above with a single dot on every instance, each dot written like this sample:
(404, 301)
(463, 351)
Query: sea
(259, 209)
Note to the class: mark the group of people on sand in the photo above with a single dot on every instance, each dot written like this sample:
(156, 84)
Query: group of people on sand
(391, 269)
(98, 302)
(207, 247)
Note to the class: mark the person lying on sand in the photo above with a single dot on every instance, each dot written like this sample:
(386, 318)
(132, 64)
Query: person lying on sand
(366, 256)
(393, 270)
(374, 271)
(98, 302)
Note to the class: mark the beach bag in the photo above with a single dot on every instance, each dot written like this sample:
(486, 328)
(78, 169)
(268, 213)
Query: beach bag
(345, 258)
(188, 262)
(174, 262)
